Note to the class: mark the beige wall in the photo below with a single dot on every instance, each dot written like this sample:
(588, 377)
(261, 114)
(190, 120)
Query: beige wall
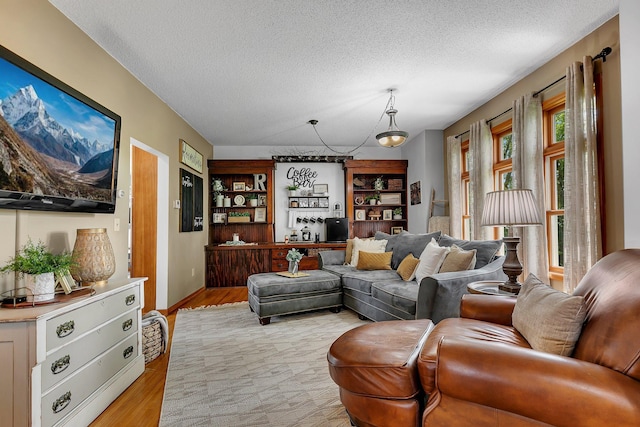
(38, 32)
(606, 35)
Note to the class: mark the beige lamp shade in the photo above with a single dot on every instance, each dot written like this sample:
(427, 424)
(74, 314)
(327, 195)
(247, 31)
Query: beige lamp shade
(93, 257)
(510, 208)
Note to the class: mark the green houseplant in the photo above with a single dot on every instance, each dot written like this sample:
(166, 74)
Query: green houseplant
(397, 213)
(292, 189)
(38, 266)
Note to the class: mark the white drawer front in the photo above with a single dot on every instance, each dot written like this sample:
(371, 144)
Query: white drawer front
(61, 400)
(68, 359)
(67, 327)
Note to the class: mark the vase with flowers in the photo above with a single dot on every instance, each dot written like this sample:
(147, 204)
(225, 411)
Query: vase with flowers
(294, 257)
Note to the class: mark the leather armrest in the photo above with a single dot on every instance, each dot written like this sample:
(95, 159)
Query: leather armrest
(490, 308)
(553, 389)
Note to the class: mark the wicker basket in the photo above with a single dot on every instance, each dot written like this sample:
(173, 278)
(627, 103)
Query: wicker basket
(151, 341)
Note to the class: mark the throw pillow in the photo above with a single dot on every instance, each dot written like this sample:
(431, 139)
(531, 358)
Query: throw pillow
(550, 320)
(459, 260)
(348, 252)
(366, 245)
(407, 268)
(374, 261)
(408, 243)
(486, 249)
(430, 260)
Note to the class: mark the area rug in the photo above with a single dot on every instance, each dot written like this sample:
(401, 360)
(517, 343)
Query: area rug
(225, 369)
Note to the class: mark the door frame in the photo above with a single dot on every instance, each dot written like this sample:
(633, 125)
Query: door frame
(162, 229)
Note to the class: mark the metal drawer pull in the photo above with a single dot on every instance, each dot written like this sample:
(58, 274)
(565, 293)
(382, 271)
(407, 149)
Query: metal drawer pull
(127, 324)
(127, 352)
(61, 403)
(66, 329)
(130, 299)
(60, 364)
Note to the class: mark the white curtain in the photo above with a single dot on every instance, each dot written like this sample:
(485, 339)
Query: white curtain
(454, 176)
(582, 238)
(480, 177)
(528, 172)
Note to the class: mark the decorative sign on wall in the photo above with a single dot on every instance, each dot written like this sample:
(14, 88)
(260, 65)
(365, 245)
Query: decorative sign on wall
(302, 177)
(191, 202)
(190, 156)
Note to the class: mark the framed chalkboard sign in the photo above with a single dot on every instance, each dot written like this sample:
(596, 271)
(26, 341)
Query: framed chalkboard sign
(191, 202)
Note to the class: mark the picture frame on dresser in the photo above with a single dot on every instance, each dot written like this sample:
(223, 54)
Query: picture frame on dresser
(238, 186)
(219, 217)
(387, 214)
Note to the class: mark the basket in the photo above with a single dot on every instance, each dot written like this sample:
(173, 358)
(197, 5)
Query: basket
(151, 341)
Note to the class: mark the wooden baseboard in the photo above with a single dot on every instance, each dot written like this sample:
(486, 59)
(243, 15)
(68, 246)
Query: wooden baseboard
(183, 301)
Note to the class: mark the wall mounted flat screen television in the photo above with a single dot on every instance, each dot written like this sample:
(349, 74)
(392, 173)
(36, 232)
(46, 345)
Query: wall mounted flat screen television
(58, 148)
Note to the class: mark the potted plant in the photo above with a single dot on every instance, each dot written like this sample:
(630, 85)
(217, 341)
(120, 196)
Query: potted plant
(292, 189)
(397, 213)
(218, 188)
(294, 257)
(239, 217)
(372, 199)
(39, 267)
(252, 199)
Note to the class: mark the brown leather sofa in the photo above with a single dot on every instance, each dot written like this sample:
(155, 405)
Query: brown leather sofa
(478, 370)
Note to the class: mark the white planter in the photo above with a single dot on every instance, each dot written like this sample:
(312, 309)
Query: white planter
(253, 202)
(219, 200)
(41, 286)
(292, 193)
(373, 202)
(396, 216)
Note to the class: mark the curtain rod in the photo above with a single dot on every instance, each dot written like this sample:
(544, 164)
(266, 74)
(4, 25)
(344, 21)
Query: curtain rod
(602, 55)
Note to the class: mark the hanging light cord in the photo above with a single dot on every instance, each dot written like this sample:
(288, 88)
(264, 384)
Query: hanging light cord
(389, 105)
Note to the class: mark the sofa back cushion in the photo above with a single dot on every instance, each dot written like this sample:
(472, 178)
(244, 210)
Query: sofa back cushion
(408, 243)
(486, 250)
(392, 239)
(611, 290)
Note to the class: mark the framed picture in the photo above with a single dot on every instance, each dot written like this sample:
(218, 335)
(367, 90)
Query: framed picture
(320, 188)
(238, 186)
(387, 214)
(415, 193)
(219, 218)
(262, 200)
(260, 215)
(66, 281)
(396, 230)
(361, 214)
(190, 156)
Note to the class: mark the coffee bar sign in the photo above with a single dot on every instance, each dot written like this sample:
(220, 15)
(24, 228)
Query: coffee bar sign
(303, 177)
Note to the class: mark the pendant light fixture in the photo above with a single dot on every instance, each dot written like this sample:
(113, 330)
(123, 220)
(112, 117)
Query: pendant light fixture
(393, 137)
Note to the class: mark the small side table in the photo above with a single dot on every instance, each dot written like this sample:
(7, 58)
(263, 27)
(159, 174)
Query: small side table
(488, 287)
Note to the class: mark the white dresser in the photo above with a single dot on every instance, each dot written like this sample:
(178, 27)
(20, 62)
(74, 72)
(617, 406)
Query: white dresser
(63, 364)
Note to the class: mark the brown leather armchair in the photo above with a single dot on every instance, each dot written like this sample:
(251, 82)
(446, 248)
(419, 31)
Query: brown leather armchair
(479, 371)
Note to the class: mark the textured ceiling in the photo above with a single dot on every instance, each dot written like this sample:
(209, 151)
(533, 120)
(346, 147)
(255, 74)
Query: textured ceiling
(253, 72)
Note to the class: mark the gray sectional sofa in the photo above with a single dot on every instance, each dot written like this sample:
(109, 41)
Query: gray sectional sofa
(383, 295)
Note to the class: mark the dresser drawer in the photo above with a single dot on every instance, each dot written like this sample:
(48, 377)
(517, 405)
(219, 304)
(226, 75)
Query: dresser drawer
(68, 359)
(68, 326)
(61, 400)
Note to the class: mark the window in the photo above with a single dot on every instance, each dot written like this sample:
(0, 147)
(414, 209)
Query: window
(466, 201)
(553, 122)
(503, 163)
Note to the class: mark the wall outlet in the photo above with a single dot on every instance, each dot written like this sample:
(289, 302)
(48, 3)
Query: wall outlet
(116, 224)
(193, 272)
(176, 204)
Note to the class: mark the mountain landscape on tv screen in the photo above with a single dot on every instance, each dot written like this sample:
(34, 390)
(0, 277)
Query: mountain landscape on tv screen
(38, 155)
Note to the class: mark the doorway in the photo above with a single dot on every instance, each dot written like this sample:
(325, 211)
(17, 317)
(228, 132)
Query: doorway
(149, 223)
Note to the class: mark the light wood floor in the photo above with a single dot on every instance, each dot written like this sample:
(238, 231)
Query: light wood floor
(140, 404)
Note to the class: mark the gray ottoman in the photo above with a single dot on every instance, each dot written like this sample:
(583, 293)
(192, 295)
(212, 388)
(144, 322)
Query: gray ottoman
(272, 295)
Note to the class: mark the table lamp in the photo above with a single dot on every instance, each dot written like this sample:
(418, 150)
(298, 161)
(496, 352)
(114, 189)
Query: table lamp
(510, 208)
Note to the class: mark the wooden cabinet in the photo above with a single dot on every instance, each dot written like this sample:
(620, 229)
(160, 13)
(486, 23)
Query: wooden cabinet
(384, 180)
(68, 361)
(232, 265)
(243, 180)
